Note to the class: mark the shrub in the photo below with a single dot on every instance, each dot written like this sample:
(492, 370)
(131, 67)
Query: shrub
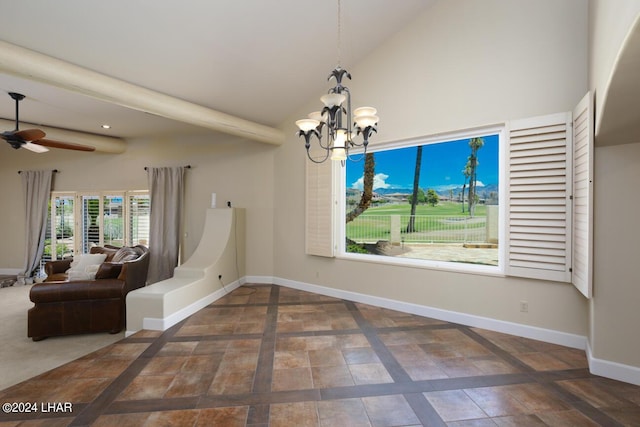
(357, 249)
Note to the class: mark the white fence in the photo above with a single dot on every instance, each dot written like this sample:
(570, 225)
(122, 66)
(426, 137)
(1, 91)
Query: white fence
(427, 229)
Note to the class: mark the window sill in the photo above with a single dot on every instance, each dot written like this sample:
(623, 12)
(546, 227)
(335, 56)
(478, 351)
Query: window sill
(453, 267)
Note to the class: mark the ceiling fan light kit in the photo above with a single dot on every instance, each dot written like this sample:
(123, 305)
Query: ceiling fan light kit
(33, 139)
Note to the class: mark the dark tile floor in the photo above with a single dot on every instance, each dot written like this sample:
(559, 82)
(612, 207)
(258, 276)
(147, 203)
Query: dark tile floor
(267, 355)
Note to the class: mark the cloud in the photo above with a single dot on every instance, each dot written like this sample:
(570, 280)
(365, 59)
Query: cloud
(448, 187)
(379, 181)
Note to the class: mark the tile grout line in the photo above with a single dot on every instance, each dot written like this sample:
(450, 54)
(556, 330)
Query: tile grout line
(417, 401)
(426, 413)
(264, 370)
(260, 399)
(493, 348)
(397, 372)
(98, 406)
(266, 304)
(584, 407)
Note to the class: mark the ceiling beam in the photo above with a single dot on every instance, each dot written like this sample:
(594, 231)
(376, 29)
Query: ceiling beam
(32, 65)
(102, 144)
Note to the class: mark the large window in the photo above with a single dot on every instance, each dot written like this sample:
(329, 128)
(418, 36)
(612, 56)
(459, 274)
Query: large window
(79, 221)
(544, 211)
(427, 200)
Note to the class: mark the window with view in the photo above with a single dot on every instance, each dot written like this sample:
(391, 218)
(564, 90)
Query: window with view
(426, 201)
(78, 221)
(545, 205)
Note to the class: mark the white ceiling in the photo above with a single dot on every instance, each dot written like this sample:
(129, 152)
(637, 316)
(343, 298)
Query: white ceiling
(259, 60)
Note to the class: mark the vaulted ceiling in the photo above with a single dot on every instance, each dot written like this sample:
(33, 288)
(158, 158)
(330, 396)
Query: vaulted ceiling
(257, 60)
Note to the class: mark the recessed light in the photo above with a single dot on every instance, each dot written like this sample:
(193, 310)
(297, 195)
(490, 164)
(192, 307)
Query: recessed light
(106, 126)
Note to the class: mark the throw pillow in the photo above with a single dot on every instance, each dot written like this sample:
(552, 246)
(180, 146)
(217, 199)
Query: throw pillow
(125, 254)
(91, 270)
(81, 266)
(108, 270)
(80, 262)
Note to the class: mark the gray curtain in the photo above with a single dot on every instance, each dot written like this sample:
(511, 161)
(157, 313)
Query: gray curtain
(36, 186)
(166, 188)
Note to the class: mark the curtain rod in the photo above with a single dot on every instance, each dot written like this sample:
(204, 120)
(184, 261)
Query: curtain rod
(54, 171)
(186, 167)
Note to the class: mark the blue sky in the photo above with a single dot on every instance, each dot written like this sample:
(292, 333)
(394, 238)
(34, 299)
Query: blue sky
(441, 167)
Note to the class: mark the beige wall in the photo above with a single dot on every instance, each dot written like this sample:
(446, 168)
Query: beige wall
(461, 64)
(236, 170)
(614, 314)
(609, 24)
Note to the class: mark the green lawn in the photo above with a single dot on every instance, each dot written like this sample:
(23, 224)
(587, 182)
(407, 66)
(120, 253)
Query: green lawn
(368, 228)
(443, 208)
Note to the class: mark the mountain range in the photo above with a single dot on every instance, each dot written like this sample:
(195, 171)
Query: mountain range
(441, 192)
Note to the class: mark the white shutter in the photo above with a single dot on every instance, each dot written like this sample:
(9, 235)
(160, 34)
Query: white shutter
(319, 210)
(583, 195)
(138, 218)
(538, 198)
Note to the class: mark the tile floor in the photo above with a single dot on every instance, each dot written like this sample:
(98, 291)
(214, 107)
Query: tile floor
(272, 356)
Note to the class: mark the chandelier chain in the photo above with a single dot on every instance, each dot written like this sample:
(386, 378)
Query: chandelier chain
(339, 34)
(336, 122)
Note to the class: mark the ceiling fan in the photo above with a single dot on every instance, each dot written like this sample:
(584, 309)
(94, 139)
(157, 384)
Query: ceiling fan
(33, 139)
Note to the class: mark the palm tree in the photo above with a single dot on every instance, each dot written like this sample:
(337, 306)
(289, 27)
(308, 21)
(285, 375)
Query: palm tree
(475, 144)
(411, 226)
(467, 173)
(367, 190)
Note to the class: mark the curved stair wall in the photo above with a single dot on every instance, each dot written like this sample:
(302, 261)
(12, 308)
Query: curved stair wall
(196, 283)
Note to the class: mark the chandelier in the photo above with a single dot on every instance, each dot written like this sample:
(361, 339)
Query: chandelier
(335, 123)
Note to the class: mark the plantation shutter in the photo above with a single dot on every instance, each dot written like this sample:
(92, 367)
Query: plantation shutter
(139, 210)
(113, 210)
(62, 225)
(583, 196)
(538, 199)
(319, 209)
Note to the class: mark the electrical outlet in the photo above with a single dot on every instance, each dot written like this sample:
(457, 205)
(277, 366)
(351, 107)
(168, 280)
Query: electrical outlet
(524, 306)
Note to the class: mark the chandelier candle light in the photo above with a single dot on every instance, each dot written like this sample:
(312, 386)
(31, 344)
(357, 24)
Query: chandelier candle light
(337, 117)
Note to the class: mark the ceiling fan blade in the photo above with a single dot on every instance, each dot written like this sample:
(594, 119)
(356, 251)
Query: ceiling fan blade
(35, 148)
(64, 145)
(30, 134)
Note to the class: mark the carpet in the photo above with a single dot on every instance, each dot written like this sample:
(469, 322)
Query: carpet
(20, 357)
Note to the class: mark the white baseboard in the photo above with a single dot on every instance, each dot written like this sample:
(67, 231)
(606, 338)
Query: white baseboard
(526, 331)
(614, 370)
(601, 367)
(263, 280)
(157, 324)
(11, 271)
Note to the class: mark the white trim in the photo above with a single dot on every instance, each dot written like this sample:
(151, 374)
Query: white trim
(162, 324)
(436, 138)
(260, 280)
(601, 367)
(582, 211)
(456, 267)
(526, 331)
(339, 179)
(614, 370)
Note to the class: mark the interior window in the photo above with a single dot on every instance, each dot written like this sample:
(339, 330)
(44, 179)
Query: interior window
(113, 218)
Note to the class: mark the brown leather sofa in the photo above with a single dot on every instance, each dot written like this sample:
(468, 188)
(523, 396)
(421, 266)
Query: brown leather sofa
(68, 307)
